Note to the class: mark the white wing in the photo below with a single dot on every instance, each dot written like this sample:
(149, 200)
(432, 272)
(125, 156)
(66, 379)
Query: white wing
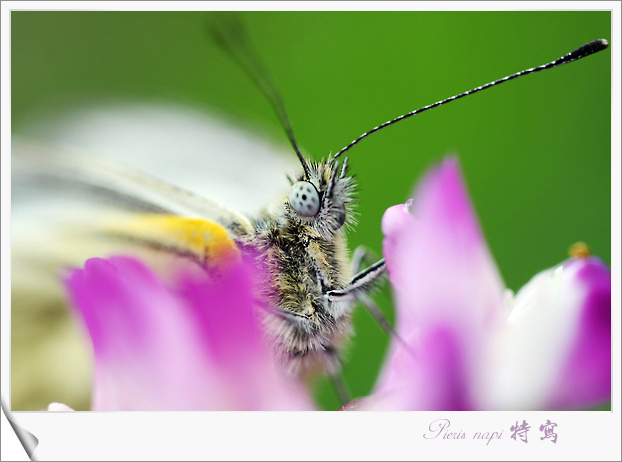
(150, 158)
(206, 155)
(56, 190)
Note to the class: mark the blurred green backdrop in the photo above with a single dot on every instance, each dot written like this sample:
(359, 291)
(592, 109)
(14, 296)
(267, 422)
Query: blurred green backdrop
(535, 152)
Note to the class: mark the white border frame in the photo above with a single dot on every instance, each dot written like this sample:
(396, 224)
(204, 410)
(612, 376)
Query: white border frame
(312, 436)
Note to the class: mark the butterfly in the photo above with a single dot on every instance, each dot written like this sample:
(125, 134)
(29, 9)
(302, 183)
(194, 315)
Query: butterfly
(301, 240)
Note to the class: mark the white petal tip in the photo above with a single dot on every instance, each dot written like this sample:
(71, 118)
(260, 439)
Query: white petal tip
(59, 407)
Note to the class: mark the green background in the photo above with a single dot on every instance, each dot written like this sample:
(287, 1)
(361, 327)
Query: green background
(535, 152)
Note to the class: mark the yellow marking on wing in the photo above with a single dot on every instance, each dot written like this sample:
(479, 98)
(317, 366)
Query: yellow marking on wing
(205, 240)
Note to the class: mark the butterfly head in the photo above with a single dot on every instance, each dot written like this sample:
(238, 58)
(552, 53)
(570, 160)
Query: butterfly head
(321, 197)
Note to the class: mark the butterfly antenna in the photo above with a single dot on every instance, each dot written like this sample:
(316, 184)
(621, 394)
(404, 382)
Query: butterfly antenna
(230, 35)
(581, 52)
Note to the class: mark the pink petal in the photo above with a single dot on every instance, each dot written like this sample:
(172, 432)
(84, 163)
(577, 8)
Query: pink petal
(437, 258)
(445, 281)
(193, 349)
(228, 305)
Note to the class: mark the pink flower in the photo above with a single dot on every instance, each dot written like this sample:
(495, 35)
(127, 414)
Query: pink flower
(472, 344)
(196, 345)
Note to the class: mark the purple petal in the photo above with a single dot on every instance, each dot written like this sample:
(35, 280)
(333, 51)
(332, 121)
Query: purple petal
(432, 378)
(193, 349)
(445, 281)
(585, 379)
(223, 314)
(554, 350)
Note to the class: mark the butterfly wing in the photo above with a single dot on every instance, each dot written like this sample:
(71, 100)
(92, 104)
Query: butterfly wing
(68, 206)
(131, 149)
(204, 154)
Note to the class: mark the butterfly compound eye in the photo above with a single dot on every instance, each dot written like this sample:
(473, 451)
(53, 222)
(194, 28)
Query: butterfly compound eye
(304, 199)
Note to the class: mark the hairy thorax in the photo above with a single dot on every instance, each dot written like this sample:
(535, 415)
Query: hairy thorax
(305, 327)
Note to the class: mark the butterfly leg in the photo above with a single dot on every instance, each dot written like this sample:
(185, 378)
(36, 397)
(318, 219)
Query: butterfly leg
(341, 388)
(373, 309)
(361, 256)
(362, 283)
